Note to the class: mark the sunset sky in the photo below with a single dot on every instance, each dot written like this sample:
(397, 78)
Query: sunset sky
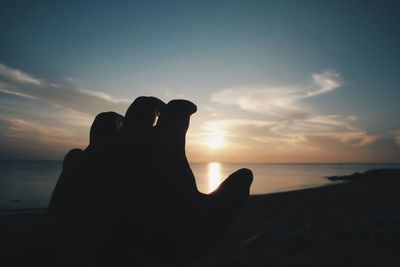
(274, 81)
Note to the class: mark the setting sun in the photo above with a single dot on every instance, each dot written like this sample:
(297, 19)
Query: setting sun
(215, 142)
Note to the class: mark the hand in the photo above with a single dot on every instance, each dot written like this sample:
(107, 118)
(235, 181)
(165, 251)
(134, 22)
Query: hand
(131, 196)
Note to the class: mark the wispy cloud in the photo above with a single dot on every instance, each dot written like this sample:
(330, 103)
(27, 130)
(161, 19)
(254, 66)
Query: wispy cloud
(287, 123)
(297, 132)
(105, 96)
(18, 76)
(18, 83)
(48, 119)
(282, 101)
(396, 136)
(28, 128)
(320, 139)
(21, 138)
(11, 92)
(275, 101)
(324, 82)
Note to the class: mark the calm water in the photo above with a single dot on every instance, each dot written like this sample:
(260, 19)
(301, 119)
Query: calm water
(28, 184)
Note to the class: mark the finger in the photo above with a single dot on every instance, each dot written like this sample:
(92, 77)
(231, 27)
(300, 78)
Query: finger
(173, 121)
(142, 114)
(104, 129)
(176, 115)
(169, 140)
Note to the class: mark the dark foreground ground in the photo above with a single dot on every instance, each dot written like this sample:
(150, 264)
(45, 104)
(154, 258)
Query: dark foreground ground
(354, 223)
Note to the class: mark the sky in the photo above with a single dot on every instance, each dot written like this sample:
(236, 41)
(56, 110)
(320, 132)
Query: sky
(274, 81)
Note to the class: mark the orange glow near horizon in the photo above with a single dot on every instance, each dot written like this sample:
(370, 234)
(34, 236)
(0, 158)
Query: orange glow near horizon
(216, 142)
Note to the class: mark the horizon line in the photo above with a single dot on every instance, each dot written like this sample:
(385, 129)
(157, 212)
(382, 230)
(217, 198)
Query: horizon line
(237, 162)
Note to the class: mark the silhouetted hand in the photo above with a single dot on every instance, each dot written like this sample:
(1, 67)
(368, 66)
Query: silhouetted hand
(131, 197)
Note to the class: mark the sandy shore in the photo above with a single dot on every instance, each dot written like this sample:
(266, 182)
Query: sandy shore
(355, 223)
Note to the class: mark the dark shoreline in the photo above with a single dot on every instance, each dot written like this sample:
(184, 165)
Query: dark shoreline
(355, 223)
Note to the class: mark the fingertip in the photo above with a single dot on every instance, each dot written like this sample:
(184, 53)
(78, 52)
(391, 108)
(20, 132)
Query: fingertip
(181, 107)
(105, 127)
(143, 111)
(176, 115)
(247, 174)
(244, 175)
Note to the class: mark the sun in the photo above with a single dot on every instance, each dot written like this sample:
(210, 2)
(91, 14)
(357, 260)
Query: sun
(215, 142)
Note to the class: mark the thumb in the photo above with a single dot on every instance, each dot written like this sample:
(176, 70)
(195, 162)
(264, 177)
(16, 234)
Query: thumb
(235, 189)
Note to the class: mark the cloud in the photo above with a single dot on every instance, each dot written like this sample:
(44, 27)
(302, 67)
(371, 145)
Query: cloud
(296, 132)
(21, 138)
(10, 92)
(105, 96)
(275, 101)
(17, 75)
(40, 119)
(324, 82)
(328, 138)
(324, 139)
(288, 120)
(18, 83)
(281, 101)
(396, 136)
(25, 127)
(287, 124)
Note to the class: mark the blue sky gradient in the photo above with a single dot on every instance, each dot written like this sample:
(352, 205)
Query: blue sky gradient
(278, 81)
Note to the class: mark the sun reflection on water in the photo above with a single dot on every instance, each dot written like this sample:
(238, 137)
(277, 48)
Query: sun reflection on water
(214, 175)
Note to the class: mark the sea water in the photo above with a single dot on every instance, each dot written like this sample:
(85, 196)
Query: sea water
(29, 184)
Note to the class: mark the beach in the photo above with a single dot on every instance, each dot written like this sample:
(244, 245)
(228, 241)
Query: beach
(355, 222)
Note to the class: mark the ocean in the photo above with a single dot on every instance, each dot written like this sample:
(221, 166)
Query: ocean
(29, 184)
